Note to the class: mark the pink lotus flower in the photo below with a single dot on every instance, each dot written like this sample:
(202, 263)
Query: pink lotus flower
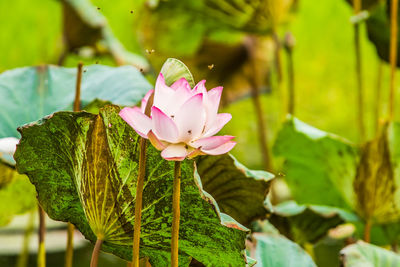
(183, 121)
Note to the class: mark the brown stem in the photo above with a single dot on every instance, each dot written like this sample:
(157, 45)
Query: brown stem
(42, 232)
(138, 202)
(278, 64)
(77, 101)
(262, 133)
(95, 253)
(251, 45)
(378, 95)
(393, 55)
(176, 214)
(291, 100)
(360, 86)
(69, 254)
(62, 57)
(139, 193)
(367, 231)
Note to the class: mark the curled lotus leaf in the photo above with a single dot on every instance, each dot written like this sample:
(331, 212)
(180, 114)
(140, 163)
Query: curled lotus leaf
(239, 192)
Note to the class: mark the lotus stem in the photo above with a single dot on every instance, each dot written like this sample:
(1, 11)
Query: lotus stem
(393, 55)
(359, 76)
(367, 231)
(278, 64)
(289, 44)
(139, 192)
(41, 260)
(138, 202)
(378, 95)
(95, 253)
(255, 95)
(176, 214)
(69, 254)
(23, 257)
(77, 101)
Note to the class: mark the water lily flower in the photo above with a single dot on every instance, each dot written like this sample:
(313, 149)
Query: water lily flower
(183, 121)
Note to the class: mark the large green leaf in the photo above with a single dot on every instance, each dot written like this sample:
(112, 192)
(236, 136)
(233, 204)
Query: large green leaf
(362, 254)
(316, 162)
(16, 196)
(28, 94)
(272, 250)
(84, 167)
(239, 192)
(307, 223)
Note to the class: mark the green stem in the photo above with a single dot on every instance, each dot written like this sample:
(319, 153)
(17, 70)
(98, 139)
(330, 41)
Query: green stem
(95, 253)
(41, 260)
(393, 55)
(360, 86)
(23, 257)
(378, 95)
(69, 254)
(176, 214)
(278, 64)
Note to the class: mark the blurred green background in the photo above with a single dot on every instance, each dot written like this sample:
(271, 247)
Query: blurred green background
(324, 67)
(323, 61)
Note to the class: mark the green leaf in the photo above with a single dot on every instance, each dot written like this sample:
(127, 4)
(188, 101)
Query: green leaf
(272, 250)
(86, 174)
(239, 192)
(16, 196)
(49, 88)
(174, 69)
(307, 223)
(7, 173)
(362, 254)
(315, 162)
(375, 184)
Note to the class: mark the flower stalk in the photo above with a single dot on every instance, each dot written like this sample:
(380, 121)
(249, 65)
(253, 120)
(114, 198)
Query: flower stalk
(69, 253)
(41, 260)
(360, 85)
(96, 252)
(393, 55)
(139, 192)
(24, 256)
(378, 95)
(289, 45)
(176, 214)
